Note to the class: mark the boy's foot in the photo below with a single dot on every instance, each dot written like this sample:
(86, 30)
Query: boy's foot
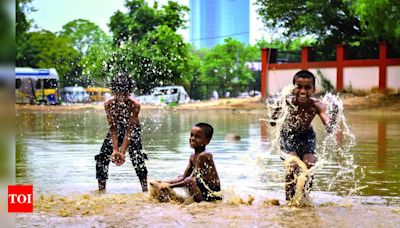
(98, 192)
(143, 183)
(102, 185)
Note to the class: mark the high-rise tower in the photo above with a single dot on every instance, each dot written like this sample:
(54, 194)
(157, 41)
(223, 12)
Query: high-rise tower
(212, 21)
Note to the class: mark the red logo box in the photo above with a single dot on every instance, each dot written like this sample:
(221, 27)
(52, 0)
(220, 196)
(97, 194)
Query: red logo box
(20, 198)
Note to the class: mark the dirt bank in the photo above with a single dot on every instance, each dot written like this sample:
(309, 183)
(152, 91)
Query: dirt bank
(376, 102)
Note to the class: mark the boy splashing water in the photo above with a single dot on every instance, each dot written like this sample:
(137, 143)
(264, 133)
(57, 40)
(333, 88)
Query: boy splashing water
(124, 132)
(200, 177)
(297, 137)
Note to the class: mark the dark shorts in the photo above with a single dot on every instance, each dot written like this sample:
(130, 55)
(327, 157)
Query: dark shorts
(135, 151)
(301, 142)
(207, 194)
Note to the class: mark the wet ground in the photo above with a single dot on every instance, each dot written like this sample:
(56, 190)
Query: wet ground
(55, 153)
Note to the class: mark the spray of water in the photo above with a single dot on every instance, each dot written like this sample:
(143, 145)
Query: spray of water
(334, 151)
(278, 111)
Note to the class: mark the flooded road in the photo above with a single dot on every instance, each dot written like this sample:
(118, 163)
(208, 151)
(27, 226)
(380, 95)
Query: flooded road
(55, 153)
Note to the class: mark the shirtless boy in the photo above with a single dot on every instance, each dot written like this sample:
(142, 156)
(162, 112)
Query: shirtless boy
(124, 133)
(297, 137)
(200, 177)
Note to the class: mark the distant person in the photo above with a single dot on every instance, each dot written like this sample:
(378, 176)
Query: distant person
(200, 177)
(215, 95)
(124, 133)
(227, 94)
(297, 137)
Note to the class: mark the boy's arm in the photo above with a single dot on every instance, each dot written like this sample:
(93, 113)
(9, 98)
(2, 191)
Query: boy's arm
(113, 130)
(275, 116)
(179, 182)
(132, 123)
(328, 122)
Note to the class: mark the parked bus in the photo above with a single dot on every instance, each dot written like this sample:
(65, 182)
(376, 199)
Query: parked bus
(36, 86)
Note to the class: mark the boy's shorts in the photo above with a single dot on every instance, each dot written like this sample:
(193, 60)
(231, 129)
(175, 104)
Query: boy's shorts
(302, 142)
(135, 150)
(206, 193)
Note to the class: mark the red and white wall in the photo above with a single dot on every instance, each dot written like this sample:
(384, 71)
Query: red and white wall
(361, 75)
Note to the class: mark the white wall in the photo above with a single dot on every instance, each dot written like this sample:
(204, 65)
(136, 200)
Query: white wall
(361, 78)
(328, 73)
(393, 77)
(277, 79)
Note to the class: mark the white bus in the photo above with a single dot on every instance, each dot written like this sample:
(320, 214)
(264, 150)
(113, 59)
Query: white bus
(36, 86)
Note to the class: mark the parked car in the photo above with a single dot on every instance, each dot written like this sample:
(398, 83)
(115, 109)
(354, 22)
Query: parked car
(166, 95)
(74, 94)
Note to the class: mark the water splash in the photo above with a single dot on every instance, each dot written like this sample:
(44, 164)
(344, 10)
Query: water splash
(335, 150)
(277, 112)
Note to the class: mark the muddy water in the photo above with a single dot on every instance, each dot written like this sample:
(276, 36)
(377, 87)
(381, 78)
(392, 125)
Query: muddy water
(55, 153)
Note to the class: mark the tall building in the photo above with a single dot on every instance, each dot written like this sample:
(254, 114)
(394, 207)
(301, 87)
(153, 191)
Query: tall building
(212, 21)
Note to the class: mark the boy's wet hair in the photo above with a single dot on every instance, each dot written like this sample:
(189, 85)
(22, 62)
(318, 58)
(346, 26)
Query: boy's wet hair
(207, 128)
(304, 74)
(121, 83)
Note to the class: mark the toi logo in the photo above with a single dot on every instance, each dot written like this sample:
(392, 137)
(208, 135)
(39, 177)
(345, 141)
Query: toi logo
(20, 198)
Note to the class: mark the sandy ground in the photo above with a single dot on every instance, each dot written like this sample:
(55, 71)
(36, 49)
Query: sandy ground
(377, 102)
(138, 210)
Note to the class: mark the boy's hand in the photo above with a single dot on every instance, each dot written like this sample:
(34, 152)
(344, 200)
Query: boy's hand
(118, 158)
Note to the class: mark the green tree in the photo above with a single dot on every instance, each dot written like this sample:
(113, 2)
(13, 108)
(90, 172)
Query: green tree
(95, 62)
(83, 34)
(160, 58)
(93, 46)
(44, 49)
(22, 25)
(146, 45)
(380, 19)
(141, 19)
(331, 22)
(225, 65)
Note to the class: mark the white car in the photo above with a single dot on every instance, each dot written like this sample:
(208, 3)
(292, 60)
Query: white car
(166, 95)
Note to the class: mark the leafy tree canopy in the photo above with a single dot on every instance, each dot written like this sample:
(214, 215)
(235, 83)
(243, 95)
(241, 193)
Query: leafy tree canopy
(225, 65)
(160, 58)
(380, 19)
(44, 49)
(141, 19)
(335, 21)
(83, 34)
(22, 25)
(332, 22)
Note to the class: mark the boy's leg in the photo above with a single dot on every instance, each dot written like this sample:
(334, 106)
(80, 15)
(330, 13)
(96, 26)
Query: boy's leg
(310, 160)
(193, 188)
(292, 173)
(102, 163)
(140, 169)
(137, 157)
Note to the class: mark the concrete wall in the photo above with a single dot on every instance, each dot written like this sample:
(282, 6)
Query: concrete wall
(361, 78)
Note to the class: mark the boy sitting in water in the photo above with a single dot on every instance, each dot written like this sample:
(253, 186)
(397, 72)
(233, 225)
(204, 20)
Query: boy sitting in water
(200, 177)
(297, 137)
(124, 132)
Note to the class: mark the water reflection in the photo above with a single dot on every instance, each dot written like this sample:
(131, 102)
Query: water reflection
(55, 151)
